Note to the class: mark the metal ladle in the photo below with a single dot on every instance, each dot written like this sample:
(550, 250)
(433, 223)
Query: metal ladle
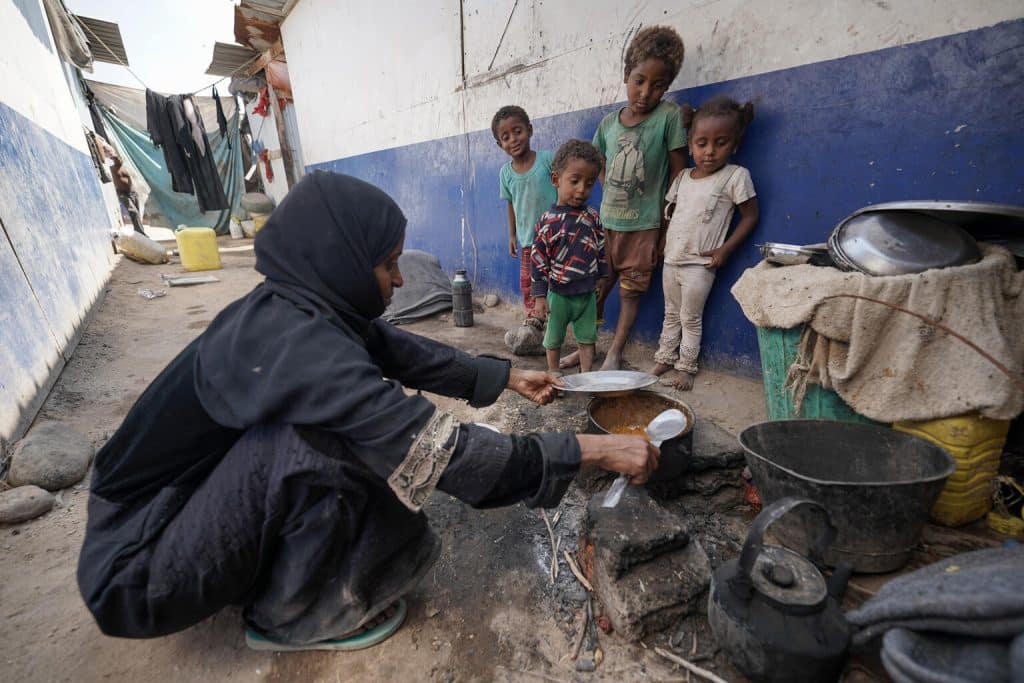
(666, 425)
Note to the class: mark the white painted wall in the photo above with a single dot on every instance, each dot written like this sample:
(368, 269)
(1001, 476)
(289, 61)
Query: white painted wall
(370, 76)
(32, 78)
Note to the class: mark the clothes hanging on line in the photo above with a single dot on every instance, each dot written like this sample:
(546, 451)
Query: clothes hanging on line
(222, 121)
(186, 148)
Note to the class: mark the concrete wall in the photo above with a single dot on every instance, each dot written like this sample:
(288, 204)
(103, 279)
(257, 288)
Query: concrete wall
(55, 253)
(857, 102)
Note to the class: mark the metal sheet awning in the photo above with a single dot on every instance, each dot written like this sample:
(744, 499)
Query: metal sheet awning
(228, 59)
(104, 40)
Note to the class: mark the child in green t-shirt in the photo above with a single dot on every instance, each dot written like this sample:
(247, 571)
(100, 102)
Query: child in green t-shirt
(645, 147)
(526, 185)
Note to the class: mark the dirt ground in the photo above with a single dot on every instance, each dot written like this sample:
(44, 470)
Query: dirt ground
(487, 611)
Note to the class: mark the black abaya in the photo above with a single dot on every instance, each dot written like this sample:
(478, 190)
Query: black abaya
(277, 463)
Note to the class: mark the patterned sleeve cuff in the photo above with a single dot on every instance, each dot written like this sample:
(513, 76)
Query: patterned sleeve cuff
(417, 475)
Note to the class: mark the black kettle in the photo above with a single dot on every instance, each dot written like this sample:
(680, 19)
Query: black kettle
(772, 611)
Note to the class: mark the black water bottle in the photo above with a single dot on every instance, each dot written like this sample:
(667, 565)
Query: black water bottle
(462, 300)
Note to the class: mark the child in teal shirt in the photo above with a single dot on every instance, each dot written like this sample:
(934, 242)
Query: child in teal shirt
(526, 185)
(645, 147)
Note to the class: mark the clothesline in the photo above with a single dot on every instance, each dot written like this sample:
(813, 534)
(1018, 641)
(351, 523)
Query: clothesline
(143, 83)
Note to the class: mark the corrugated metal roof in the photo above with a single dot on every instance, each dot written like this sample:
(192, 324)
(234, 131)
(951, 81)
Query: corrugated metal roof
(104, 40)
(272, 7)
(228, 59)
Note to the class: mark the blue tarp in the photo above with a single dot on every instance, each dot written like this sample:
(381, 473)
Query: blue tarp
(168, 208)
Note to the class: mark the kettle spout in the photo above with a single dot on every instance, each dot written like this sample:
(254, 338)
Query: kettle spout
(837, 582)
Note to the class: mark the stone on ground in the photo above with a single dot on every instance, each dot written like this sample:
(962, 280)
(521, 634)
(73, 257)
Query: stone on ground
(647, 570)
(525, 341)
(24, 503)
(491, 300)
(52, 456)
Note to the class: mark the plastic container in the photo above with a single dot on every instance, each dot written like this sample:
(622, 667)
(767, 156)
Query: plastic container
(976, 444)
(258, 221)
(138, 247)
(198, 248)
(877, 484)
(462, 300)
(778, 351)
(235, 226)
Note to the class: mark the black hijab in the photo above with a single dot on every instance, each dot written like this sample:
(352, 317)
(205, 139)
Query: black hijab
(271, 355)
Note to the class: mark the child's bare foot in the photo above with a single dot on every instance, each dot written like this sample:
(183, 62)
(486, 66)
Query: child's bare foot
(682, 381)
(659, 369)
(613, 361)
(570, 361)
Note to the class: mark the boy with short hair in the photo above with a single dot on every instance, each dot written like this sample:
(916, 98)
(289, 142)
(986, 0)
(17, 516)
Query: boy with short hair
(645, 146)
(525, 183)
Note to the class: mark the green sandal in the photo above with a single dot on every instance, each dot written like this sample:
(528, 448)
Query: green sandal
(367, 638)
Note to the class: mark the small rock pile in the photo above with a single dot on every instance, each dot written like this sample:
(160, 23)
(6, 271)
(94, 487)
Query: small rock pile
(51, 457)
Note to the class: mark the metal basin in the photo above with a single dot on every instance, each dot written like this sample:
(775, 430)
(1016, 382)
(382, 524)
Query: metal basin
(630, 414)
(900, 243)
(878, 486)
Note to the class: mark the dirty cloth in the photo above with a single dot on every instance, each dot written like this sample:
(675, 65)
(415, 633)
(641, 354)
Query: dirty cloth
(911, 657)
(975, 594)
(68, 35)
(886, 364)
(303, 353)
(425, 289)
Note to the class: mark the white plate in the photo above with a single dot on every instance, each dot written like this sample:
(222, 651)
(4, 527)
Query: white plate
(608, 382)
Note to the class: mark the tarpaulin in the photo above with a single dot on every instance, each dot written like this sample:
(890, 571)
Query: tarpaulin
(163, 206)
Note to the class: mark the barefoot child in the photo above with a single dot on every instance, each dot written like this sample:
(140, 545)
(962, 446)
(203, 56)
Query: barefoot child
(526, 186)
(704, 198)
(644, 146)
(568, 255)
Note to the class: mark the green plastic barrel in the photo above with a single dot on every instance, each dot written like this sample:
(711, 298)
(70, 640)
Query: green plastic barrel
(778, 351)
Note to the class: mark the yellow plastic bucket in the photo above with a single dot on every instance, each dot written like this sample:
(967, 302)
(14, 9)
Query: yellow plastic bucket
(258, 220)
(976, 444)
(197, 248)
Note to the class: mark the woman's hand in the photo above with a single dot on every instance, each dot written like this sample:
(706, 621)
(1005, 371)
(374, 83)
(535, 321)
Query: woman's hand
(538, 386)
(630, 455)
(513, 246)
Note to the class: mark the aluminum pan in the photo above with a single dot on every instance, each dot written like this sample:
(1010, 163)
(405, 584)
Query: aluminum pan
(984, 220)
(608, 382)
(900, 242)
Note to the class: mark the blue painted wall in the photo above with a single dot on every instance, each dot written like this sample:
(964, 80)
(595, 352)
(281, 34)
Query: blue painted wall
(936, 119)
(54, 258)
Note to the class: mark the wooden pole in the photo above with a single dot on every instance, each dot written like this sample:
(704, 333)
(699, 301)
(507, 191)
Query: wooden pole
(282, 137)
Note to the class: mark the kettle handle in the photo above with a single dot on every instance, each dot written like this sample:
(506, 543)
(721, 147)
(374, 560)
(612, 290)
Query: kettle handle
(771, 514)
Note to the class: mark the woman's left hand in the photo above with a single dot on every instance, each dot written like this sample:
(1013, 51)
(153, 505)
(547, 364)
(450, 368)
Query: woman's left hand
(538, 386)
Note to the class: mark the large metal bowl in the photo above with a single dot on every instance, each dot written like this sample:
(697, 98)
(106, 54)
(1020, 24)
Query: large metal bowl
(900, 243)
(877, 484)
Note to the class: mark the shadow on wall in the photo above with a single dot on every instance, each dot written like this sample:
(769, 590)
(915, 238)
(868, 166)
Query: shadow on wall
(934, 119)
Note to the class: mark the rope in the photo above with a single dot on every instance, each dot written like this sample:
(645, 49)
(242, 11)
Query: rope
(222, 78)
(143, 83)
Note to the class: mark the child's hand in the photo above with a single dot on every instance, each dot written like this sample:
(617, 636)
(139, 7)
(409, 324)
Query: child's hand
(513, 245)
(540, 307)
(718, 257)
